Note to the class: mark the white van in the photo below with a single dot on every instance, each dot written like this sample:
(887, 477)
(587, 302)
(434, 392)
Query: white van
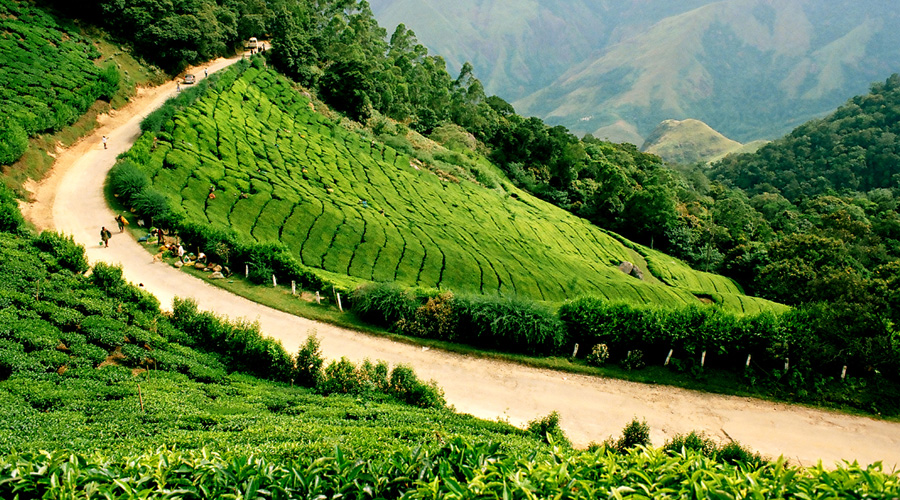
(252, 44)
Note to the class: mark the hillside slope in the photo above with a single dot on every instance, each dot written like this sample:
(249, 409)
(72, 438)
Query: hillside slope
(357, 208)
(687, 141)
(751, 69)
(852, 149)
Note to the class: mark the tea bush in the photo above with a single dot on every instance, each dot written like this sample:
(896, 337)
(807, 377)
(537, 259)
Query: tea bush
(548, 430)
(47, 76)
(69, 254)
(636, 433)
(348, 206)
(308, 362)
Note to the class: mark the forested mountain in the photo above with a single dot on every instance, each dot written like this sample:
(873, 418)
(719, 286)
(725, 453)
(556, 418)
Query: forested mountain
(854, 149)
(750, 69)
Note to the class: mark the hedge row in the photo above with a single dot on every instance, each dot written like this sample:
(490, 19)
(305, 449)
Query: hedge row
(797, 349)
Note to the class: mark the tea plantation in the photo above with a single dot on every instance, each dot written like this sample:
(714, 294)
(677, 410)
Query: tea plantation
(128, 404)
(48, 77)
(251, 154)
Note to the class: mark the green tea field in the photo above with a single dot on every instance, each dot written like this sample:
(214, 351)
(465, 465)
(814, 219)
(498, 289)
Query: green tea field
(48, 77)
(252, 155)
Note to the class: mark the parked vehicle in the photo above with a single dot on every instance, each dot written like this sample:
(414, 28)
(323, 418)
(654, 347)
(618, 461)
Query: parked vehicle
(189, 79)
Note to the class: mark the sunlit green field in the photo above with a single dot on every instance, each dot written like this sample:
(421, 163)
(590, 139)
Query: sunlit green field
(356, 209)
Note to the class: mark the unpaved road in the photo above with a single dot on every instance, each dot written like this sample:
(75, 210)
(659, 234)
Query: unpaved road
(70, 200)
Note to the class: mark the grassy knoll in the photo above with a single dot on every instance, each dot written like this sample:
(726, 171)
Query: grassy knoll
(359, 210)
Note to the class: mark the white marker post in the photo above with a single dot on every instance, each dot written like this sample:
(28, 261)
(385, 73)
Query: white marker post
(669, 357)
(787, 363)
(575, 351)
(318, 298)
(844, 373)
(246, 270)
(747, 365)
(338, 295)
(703, 359)
(274, 283)
(293, 287)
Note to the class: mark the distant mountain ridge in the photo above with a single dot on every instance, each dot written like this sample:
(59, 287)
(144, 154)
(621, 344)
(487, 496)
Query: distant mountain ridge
(749, 68)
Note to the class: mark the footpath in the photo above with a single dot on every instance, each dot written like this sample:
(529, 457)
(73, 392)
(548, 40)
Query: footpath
(70, 200)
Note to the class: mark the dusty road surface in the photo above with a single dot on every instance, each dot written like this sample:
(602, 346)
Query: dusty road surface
(71, 201)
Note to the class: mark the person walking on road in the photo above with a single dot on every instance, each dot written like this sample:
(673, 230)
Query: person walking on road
(121, 222)
(104, 139)
(105, 235)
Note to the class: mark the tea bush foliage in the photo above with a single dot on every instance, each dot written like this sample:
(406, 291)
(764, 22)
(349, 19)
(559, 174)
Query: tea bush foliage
(48, 75)
(322, 200)
(97, 379)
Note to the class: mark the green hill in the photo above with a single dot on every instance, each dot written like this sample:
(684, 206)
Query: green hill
(49, 76)
(252, 156)
(851, 150)
(131, 403)
(687, 141)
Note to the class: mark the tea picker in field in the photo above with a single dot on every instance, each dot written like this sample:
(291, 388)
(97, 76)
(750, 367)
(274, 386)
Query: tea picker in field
(105, 235)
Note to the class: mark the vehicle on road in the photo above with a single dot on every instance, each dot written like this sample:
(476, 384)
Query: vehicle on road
(189, 79)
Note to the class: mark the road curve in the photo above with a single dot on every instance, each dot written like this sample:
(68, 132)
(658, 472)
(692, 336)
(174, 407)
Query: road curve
(70, 200)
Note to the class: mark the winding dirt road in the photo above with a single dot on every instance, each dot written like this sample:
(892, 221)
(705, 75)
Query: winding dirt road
(70, 200)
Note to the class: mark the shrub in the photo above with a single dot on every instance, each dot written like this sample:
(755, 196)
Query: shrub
(376, 375)
(11, 220)
(241, 345)
(103, 331)
(127, 181)
(599, 354)
(340, 377)
(12, 359)
(435, 319)
(382, 304)
(107, 277)
(88, 355)
(548, 430)
(154, 206)
(735, 454)
(135, 355)
(634, 360)
(507, 324)
(35, 334)
(406, 386)
(636, 433)
(13, 140)
(692, 441)
(47, 361)
(308, 363)
(68, 254)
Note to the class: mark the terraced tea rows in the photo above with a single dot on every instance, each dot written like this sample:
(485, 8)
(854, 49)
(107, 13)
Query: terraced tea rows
(252, 155)
(47, 76)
